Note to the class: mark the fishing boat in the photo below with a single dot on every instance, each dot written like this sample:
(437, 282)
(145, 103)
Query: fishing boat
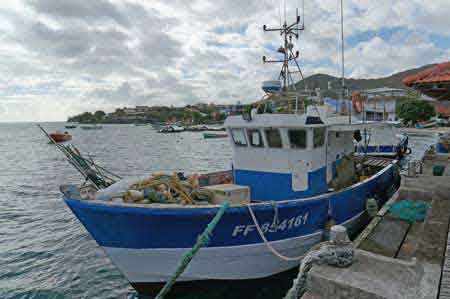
(92, 127)
(71, 127)
(171, 129)
(214, 135)
(216, 128)
(202, 128)
(382, 142)
(157, 125)
(293, 176)
(60, 136)
(196, 128)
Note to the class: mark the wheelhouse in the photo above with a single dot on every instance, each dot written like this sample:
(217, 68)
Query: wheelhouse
(284, 156)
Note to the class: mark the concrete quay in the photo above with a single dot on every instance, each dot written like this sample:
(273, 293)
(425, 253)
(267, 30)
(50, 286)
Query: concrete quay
(395, 258)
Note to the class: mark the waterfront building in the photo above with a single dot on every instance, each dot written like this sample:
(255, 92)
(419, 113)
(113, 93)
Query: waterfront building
(377, 104)
(433, 82)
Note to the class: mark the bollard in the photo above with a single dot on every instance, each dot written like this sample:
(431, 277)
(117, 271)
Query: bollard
(420, 167)
(371, 207)
(412, 168)
(338, 235)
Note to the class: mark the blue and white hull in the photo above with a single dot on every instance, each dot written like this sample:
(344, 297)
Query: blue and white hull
(147, 242)
(383, 144)
(391, 151)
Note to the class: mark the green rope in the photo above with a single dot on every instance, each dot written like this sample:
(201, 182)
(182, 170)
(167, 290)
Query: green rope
(203, 240)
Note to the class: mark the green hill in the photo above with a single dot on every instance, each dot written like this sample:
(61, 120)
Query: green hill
(321, 81)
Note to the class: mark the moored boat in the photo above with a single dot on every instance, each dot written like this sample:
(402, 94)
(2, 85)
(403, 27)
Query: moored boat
(382, 142)
(171, 129)
(214, 135)
(300, 175)
(289, 179)
(60, 136)
(71, 127)
(92, 127)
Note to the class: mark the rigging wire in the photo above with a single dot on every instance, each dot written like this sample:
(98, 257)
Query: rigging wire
(279, 10)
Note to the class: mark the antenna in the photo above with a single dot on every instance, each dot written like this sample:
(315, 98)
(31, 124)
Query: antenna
(287, 32)
(303, 13)
(343, 64)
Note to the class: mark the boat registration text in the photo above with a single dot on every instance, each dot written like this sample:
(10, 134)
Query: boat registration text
(269, 227)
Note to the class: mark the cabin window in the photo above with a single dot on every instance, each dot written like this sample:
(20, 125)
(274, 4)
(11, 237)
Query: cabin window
(273, 137)
(297, 138)
(255, 138)
(319, 137)
(239, 137)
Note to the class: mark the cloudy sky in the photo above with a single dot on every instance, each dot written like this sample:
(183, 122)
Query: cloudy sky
(59, 58)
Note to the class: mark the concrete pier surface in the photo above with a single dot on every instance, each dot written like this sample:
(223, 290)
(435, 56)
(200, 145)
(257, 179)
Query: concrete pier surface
(423, 131)
(396, 258)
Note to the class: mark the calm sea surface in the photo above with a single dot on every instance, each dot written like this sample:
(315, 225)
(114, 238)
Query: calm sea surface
(44, 251)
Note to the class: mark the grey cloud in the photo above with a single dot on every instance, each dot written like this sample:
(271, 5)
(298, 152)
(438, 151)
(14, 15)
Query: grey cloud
(67, 42)
(90, 10)
(127, 94)
(158, 49)
(166, 54)
(122, 94)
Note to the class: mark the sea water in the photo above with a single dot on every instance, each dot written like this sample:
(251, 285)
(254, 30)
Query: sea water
(44, 250)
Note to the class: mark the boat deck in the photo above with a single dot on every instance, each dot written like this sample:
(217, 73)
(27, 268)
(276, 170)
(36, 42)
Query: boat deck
(374, 161)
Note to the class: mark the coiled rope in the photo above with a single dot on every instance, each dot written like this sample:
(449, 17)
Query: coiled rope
(338, 255)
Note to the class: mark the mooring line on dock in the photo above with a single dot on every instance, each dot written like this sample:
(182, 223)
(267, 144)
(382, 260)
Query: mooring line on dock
(267, 243)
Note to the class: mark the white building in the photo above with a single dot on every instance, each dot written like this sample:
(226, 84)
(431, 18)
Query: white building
(380, 103)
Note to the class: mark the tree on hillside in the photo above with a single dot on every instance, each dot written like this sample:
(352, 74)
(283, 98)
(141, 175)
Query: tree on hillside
(99, 115)
(415, 110)
(196, 117)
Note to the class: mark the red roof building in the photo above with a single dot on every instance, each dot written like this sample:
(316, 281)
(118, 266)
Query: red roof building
(443, 109)
(434, 82)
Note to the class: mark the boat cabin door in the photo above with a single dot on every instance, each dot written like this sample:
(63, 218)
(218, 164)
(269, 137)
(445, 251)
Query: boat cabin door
(300, 170)
(299, 164)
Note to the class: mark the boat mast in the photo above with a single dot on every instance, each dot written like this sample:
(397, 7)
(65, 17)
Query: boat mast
(287, 32)
(343, 65)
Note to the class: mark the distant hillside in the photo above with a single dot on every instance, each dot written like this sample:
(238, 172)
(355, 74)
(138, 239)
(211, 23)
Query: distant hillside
(394, 81)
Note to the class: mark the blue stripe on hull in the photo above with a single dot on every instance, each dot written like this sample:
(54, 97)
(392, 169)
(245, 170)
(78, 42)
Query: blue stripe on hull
(129, 227)
(442, 148)
(267, 186)
(134, 227)
(377, 149)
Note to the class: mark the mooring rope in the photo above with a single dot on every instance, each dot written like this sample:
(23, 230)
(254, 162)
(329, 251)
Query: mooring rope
(267, 243)
(202, 240)
(330, 253)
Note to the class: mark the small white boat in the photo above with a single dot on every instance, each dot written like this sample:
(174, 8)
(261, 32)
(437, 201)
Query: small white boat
(92, 127)
(382, 142)
(171, 129)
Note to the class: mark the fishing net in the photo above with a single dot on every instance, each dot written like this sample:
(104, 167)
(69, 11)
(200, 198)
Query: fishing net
(163, 188)
(409, 210)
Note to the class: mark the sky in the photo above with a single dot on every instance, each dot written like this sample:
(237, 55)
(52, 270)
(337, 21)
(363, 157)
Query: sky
(60, 58)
